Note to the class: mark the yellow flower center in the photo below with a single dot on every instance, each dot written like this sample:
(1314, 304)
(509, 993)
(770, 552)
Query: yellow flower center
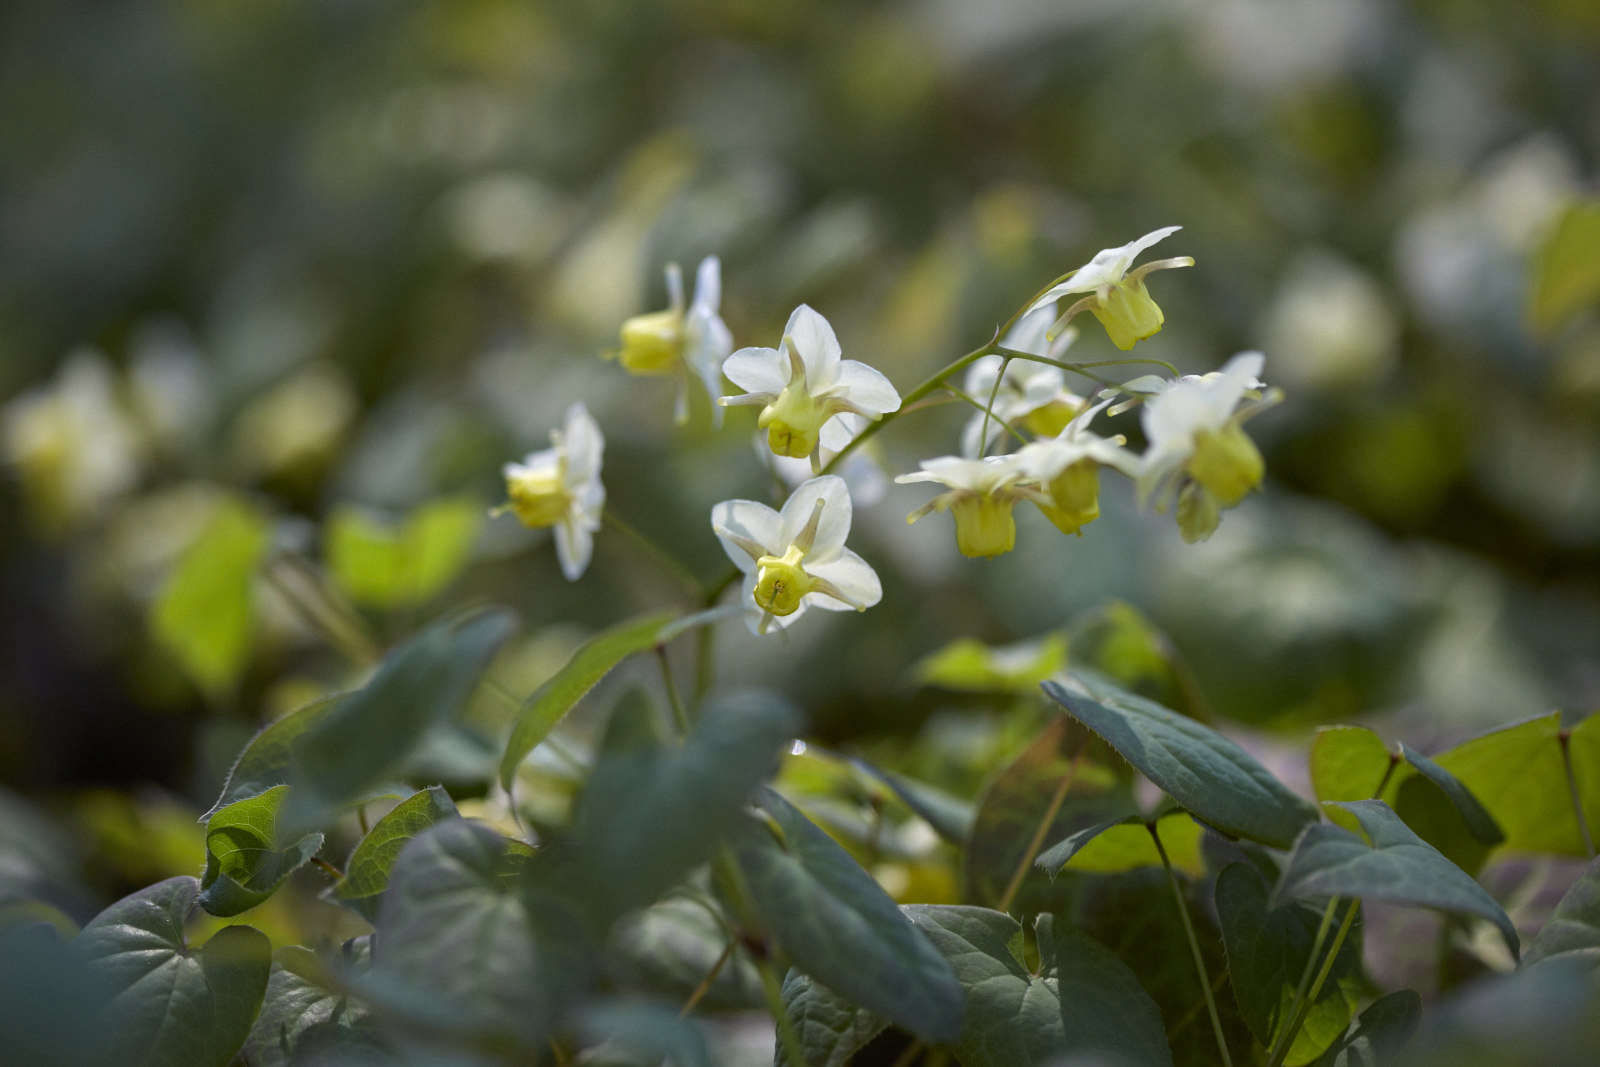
(653, 343)
(1226, 462)
(1128, 313)
(781, 582)
(1074, 496)
(984, 524)
(538, 499)
(794, 421)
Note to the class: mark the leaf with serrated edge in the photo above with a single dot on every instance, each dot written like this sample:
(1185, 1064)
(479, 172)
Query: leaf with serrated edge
(173, 1004)
(1380, 1032)
(1573, 929)
(366, 872)
(1124, 844)
(246, 858)
(1214, 779)
(1397, 866)
(593, 660)
(840, 927)
(298, 999)
(1105, 1010)
(267, 759)
(950, 816)
(830, 1028)
(1478, 821)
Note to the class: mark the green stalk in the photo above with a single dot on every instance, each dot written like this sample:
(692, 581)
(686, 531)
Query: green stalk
(1286, 1041)
(678, 570)
(1039, 831)
(679, 716)
(1572, 791)
(1194, 946)
(1286, 1035)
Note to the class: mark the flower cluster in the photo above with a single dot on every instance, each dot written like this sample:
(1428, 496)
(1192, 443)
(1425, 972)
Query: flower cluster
(815, 404)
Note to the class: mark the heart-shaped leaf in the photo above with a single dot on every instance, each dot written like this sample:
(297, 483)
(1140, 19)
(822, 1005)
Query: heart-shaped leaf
(1573, 929)
(171, 1004)
(830, 1028)
(1380, 1032)
(366, 872)
(1124, 844)
(388, 566)
(246, 857)
(1212, 778)
(840, 927)
(1105, 1012)
(1396, 866)
(269, 757)
(303, 1003)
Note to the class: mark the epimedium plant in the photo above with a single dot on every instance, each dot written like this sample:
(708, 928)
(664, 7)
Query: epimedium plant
(1214, 917)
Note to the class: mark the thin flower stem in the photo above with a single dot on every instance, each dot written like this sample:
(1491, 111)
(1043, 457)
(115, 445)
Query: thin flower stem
(988, 412)
(705, 983)
(988, 409)
(678, 570)
(1039, 832)
(1572, 791)
(679, 716)
(1286, 1041)
(306, 593)
(1194, 946)
(361, 819)
(329, 869)
(1076, 368)
(1310, 968)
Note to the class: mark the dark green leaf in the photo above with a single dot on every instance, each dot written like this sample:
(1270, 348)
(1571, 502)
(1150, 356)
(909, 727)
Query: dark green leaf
(640, 1033)
(369, 734)
(1013, 1018)
(269, 757)
(1397, 866)
(1380, 1032)
(590, 663)
(951, 817)
(669, 947)
(366, 872)
(838, 926)
(1573, 929)
(246, 857)
(1214, 779)
(1105, 1012)
(172, 1004)
(1267, 952)
(1125, 843)
(1479, 822)
(52, 1005)
(301, 997)
(830, 1028)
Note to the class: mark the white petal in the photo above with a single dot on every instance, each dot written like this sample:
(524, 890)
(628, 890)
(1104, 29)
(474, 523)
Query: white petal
(574, 547)
(1107, 267)
(543, 462)
(834, 524)
(864, 387)
(840, 430)
(750, 521)
(1028, 335)
(675, 286)
(853, 577)
(708, 284)
(815, 341)
(709, 345)
(981, 475)
(583, 444)
(758, 370)
(980, 375)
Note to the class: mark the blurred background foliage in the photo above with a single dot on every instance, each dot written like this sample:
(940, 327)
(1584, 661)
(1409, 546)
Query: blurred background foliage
(282, 286)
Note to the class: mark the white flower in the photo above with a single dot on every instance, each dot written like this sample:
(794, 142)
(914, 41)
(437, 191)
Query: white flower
(811, 397)
(683, 342)
(560, 487)
(1197, 445)
(981, 494)
(1033, 396)
(795, 558)
(1117, 295)
(862, 470)
(1067, 470)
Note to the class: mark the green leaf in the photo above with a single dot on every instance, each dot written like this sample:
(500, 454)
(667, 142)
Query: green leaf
(384, 565)
(269, 757)
(950, 816)
(205, 614)
(1105, 1011)
(1347, 763)
(638, 1033)
(1013, 1018)
(1380, 1032)
(366, 872)
(651, 811)
(302, 1004)
(1573, 929)
(173, 1004)
(1214, 779)
(970, 665)
(1478, 821)
(1124, 844)
(1396, 866)
(592, 661)
(458, 954)
(830, 1028)
(367, 737)
(1120, 643)
(1566, 274)
(669, 947)
(246, 857)
(1267, 952)
(840, 927)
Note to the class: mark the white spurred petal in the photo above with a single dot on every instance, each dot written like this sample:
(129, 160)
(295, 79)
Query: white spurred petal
(544, 462)
(574, 547)
(745, 520)
(709, 342)
(839, 431)
(675, 286)
(758, 370)
(583, 445)
(853, 577)
(865, 387)
(708, 284)
(834, 524)
(1106, 268)
(819, 349)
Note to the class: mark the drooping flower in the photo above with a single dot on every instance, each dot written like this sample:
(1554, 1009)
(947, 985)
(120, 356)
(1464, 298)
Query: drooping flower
(1198, 448)
(1117, 295)
(683, 341)
(796, 558)
(1067, 470)
(806, 390)
(981, 494)
(560, 487)
(1033, 396)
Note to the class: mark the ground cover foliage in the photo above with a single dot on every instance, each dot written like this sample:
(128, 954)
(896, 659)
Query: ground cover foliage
(441, 630)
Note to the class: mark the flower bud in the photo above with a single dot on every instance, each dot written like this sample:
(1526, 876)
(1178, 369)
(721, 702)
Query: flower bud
(1226, 462)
